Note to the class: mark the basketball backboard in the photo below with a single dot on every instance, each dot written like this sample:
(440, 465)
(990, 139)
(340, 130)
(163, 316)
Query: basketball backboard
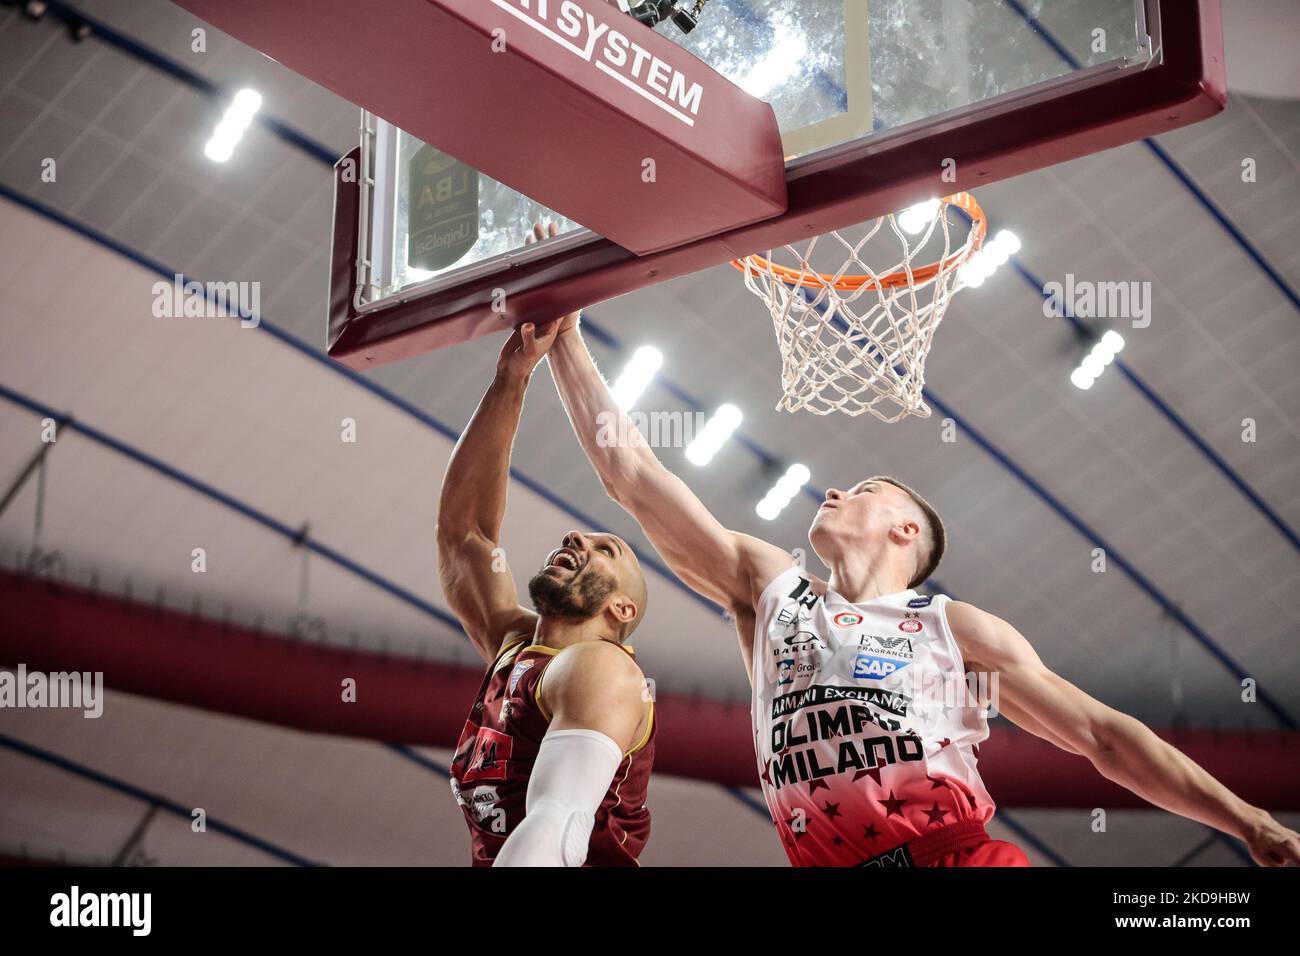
(880, 104)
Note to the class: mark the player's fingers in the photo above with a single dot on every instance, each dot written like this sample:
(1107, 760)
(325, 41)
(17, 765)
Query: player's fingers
(509, 348)
(552, 229)
(528, 331)
(547, 337)
(1291, 851)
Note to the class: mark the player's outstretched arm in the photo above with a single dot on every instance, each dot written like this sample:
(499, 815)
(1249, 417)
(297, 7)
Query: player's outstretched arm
(1122, 748)
(598, 702)
(475, 579)
(725, 566)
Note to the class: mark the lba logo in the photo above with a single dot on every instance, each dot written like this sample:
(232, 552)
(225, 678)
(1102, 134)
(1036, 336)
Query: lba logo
(871, 667)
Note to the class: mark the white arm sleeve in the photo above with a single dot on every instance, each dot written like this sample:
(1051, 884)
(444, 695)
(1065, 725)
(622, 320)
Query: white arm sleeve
(570, 778)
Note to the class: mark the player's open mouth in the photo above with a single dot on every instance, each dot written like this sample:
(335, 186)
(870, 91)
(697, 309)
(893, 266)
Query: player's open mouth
(565, 559)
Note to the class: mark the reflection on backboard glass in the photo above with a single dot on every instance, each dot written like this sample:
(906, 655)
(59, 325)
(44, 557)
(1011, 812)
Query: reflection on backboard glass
(835, 72)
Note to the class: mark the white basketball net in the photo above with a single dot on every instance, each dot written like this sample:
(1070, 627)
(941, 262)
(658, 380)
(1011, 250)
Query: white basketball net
(856, 341)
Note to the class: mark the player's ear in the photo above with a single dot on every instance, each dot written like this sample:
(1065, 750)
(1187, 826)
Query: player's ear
(905, 531)
(623, 608)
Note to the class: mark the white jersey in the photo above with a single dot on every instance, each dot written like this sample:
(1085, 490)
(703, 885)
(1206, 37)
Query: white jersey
(865, 734)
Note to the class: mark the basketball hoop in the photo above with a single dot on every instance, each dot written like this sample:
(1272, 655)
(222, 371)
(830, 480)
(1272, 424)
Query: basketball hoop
(856, 340)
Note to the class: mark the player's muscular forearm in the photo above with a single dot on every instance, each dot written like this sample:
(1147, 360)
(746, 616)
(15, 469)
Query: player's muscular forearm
(621, 464)
(1135, 758)
(720, 564)
(1120, 747)
(474, 490)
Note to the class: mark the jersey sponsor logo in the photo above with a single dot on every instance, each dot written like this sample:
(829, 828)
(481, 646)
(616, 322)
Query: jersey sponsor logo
(488, 757)
(899, 646)
(804, 599)
(911, 626)
(820, 695)
(920, 601)
(789, 669)
(798, 644)
(826, 743)
(871, 667)
(847, 619)
(517, 673)
(899, 856)
(482, 805)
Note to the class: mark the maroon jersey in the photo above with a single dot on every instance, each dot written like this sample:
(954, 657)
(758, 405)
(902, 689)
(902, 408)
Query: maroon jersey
(495, 754)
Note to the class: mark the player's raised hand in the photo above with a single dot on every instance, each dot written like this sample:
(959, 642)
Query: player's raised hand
(1272, 844)
(525, 348)
(550, 231)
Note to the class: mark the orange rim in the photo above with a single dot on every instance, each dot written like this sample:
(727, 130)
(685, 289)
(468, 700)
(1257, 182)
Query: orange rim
(850, 283)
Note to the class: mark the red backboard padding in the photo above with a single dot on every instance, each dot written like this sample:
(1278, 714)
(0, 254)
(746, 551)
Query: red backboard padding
(570, 121)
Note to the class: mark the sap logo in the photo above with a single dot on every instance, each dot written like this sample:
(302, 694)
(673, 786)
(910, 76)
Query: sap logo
(870, 667)
(920, 601)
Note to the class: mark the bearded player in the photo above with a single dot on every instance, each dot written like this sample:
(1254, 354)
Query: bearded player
(858, 764)
(552, 765)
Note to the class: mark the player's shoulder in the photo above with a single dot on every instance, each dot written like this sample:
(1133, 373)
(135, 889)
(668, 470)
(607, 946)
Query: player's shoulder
(591, 661)
(977, 630)
(596, 667)
(967, 619)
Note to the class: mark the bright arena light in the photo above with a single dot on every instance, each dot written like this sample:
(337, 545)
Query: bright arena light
(636, 375)
(971, 275)
(1095, 362)
(783, 492)
(714, 433)
(985, 261)
(916, 219)
(1007, 240)
(239, 114)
